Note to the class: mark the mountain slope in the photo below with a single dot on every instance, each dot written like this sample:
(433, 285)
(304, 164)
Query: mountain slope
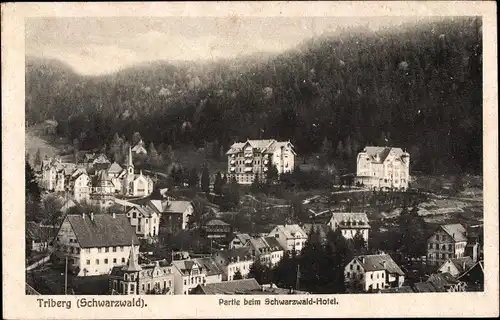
(418, 87)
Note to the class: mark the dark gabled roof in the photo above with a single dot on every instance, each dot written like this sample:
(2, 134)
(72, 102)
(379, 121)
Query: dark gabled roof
(375, 262)
(403, 289)
(462, 264)
(209, 265)
(103, 230)
(242, 253)
(426, 287)
(230, 287)
(442, 280)
(455, 231)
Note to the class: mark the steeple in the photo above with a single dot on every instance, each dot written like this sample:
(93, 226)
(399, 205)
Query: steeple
(132, 264)
(130, 161)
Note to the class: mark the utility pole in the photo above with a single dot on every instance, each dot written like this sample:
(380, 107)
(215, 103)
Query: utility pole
(66, 277)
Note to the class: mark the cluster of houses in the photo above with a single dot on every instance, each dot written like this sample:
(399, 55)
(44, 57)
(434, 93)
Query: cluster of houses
(96, 180)
(108, 243)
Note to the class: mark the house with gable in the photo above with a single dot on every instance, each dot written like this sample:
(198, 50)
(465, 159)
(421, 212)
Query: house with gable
(145, 220)
(174, 214)
(239, 240)
(350, 223)
(448, 241)
(373, 272)
(139, 148)
(456, 266)
(94, 243)
(381, 168)
(267, 249)
(80, 185)
(213, 274)
(187, 275)
(233, 260)
(246, 159)
(134, 278)
(290, 237)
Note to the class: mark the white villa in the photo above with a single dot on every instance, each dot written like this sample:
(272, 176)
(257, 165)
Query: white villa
(383, 168)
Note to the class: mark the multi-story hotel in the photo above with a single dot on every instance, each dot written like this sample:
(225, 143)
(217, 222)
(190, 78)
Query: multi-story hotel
(383, 168)
(247, 159)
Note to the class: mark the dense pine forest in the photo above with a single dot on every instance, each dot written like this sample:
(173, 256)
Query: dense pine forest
(418, 87)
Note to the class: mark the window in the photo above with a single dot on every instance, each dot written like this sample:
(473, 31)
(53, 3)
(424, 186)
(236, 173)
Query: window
(134, 215)
(114, 249)
(87, 250)
(149, 286)
(450, 247)
(383, 275)
(121, 249)
(443, 247)
(358, 268)
(123, 260)
(114, 260)
(143, 287)
(185, 282)
(348, 274)
(99, 250)
(96, 261)
(105, 261)
(351, 267)
(132, 287)
(106, 249)
(371, 276)
(88, 262)
(430, 245)
(443, 256)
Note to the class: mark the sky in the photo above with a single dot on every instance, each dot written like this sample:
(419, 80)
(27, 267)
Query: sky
(103, 45)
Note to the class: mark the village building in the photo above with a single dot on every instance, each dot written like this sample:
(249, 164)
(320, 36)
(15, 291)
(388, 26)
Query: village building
(449, 241)
(250, 158)
(174, 214)
(94, 243)
(373, 272)
(350, 223)
(383, 168)
(217, 229)
(474, 277)
(213, 274)
(290, 236)
(139, 148)
(447, 282)
(242, 286)
(136, 279)
(145, 220)
(239, 240)
(187, 275)
(233, 260)
(54, 174)
(102, 190)
(456, 267)
(96, 161)
(267, 249)
(39, 236)
(115, 175)
(80, 186)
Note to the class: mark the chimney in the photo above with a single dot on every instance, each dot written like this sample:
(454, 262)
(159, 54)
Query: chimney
(92, 216)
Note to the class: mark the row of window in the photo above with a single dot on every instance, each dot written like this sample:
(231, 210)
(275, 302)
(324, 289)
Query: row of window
(443, 247)
(194, 280)
(444, 256)
(115, 261)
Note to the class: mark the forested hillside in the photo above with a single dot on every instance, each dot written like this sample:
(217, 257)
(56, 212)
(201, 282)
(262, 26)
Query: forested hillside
(418, 87)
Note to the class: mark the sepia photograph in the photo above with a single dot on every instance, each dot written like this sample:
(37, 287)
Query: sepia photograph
(253, 155)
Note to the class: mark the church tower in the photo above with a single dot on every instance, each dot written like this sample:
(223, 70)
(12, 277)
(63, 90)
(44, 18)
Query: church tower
(130, 284)
(129, 178)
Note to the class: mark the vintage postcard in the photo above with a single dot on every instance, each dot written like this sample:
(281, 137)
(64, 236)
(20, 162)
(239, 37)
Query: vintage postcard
(249, 159)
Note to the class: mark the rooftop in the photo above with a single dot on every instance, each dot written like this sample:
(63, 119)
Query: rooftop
(230, 287)
(376, 262)
(456, 231)
(103, 230)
